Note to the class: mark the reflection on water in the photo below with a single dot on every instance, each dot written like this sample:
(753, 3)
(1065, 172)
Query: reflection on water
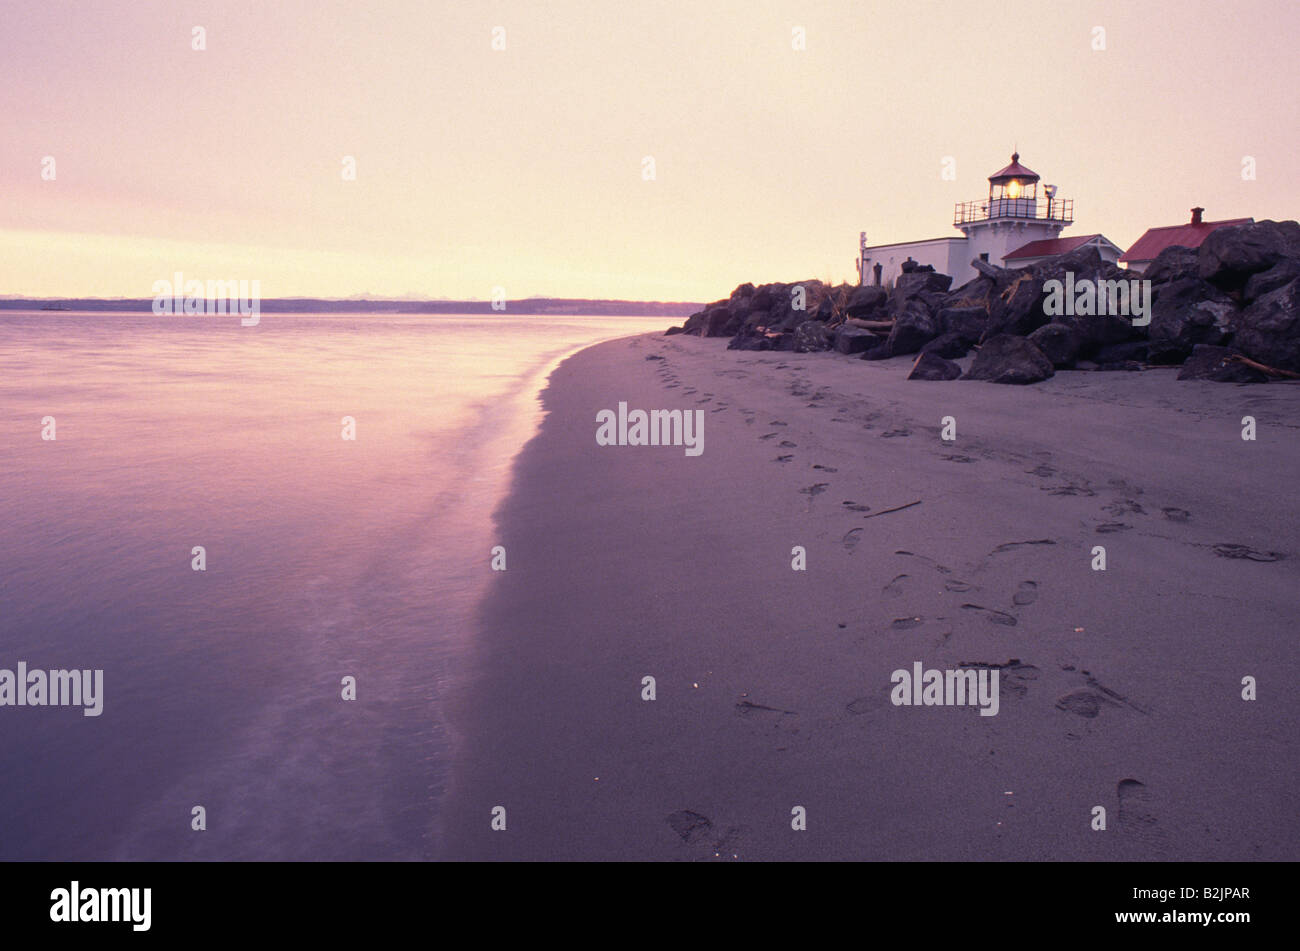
(325, 558)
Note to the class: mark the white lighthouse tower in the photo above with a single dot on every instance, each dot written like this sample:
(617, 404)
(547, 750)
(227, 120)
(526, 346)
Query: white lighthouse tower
(1013, 226)
(1013, 215)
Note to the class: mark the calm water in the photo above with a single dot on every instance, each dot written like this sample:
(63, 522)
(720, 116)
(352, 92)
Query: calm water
(325, 558)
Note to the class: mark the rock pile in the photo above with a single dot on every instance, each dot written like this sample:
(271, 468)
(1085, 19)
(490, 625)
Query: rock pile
(1227, 311)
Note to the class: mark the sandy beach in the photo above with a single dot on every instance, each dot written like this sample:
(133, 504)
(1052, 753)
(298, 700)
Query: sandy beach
(1119, 688)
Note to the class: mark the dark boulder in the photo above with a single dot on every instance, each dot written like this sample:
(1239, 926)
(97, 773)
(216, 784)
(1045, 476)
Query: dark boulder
(1010, 359)
(1018, 309)
(855, 340)
(949, 346)
(750, 341)
(914, 326)
(865, 301)
(1060, 343)
(879, 351)
(1131, 355)
(917, 282)
(1081, 262)
(1186, 312)
(1268, 330)
(811, 336)
(1065, 275)
(1134, 351)
(784, 342)
(1172, 264)
(695, 323)
(672, 331)
(931, 366)
(967, 322)
(1279, 275)
(792, 304)
(1216, 364)
(1001, 276)
(978, 292)
(1229, 256)
(763, 297)
(717, 322)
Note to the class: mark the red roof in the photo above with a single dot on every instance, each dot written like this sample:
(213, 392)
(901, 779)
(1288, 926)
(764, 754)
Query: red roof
(1188, 236)
(1045, 247)
(1014, 170)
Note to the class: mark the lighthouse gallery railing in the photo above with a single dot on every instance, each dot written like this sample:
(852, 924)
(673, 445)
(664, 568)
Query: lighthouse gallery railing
(1043, 209)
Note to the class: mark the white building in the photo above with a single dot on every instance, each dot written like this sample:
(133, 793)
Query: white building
(1012, 216)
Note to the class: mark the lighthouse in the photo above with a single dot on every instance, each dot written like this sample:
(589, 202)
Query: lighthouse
(1013, 215)
(1020, 221)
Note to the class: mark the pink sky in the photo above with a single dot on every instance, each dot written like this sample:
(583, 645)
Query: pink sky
(522, 168)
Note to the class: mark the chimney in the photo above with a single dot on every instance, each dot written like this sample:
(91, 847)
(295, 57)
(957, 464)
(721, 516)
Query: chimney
(1196, 215)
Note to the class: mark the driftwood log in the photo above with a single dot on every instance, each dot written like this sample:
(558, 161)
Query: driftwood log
(1271, 371)
(869, 324)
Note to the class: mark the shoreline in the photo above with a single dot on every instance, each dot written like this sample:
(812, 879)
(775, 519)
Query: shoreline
(773, 685)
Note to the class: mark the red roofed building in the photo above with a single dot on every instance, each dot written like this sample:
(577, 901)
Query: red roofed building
(1191, 235)
(1036, 251)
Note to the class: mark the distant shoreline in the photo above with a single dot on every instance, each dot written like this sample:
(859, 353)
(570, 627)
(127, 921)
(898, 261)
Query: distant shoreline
(533, 306)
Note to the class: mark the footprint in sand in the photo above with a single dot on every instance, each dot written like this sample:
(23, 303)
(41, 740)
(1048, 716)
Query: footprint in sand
(864, 705)
(777, 422)
(745, 708)
(783, 458)
(812, 491)
(768, 436)
(1176, 514)
(1070, 489)
(1087, 702)
(995, 616)
(857, 507)
(1013, 676)
(825, 468)
(691, 826)
(1122, 507)
(1027, 594)
(1042, 471)
(905, 623)
(894, 433)
(851, 539)
(894, 587)
(787, 444)
(1010, 546)
(952, 584)
(1248, 554)
(1137, 812)
(957, 458)
(1083, 703)
(1109, 528)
